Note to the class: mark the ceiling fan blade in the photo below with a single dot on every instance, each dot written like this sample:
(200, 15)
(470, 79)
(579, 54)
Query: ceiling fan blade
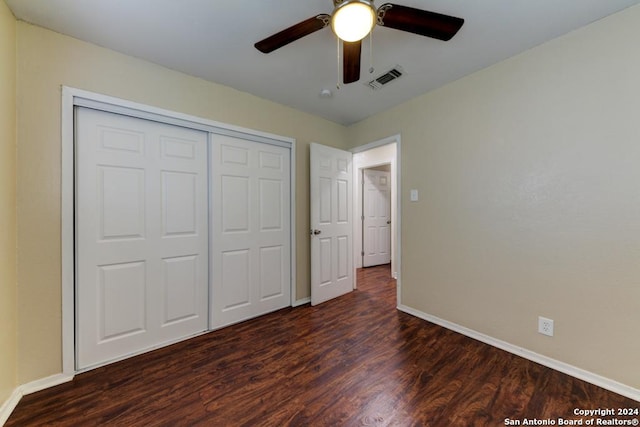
(417, 21)
(351, 53)
(293, 33)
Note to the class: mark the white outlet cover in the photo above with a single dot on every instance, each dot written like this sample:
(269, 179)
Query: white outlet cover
(545, 326)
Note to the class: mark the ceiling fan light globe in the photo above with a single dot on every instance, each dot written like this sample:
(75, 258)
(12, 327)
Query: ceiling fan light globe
(352, 20)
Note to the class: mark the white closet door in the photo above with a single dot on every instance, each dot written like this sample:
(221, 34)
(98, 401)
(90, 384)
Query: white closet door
(250, 229)
(376, 212)
(141, 235)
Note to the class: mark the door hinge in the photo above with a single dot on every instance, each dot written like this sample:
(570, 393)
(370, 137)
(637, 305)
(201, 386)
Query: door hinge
(362, 217)
(362, 253)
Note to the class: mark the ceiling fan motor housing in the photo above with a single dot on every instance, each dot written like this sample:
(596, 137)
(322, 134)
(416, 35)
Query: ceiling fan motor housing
(352, 20)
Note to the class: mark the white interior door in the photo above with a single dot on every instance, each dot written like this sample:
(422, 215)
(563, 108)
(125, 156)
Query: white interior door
(331, 207)
(141, 235)
(250, 229)
(376, 212)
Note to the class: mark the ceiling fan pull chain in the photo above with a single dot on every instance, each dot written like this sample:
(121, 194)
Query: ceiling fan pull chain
(338, 56)
(371, 52)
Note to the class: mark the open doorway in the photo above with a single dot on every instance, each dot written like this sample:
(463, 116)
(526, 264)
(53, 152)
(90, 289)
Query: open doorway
(377, 165)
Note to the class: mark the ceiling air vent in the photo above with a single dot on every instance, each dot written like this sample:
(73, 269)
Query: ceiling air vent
(386, 78)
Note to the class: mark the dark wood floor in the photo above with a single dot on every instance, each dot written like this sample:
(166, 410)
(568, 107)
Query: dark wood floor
(352, 361)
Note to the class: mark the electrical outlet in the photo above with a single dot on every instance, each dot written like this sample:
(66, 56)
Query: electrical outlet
(545, 326)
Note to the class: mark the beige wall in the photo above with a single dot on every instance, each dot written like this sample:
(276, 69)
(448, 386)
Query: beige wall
(47, 60)
(8, 305)
(529, 179)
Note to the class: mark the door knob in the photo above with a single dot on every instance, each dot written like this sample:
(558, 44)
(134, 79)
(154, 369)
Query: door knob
(388, 221)
(315, 232)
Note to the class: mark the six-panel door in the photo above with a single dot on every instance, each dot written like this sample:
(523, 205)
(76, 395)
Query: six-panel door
(331, 194)
(141, 235)
(250, 229)
(376, 212)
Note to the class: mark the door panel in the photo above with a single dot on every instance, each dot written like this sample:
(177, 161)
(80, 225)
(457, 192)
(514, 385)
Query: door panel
(123, 286)
(251, 229)
(179, 203)
(270, 213)
(180, 280)
(331, 233)
(325, 261)
(235, 209)
(141, 235)
(122, 200)
(271, 262)
(376, 225)
(324, 200)
(236, 279)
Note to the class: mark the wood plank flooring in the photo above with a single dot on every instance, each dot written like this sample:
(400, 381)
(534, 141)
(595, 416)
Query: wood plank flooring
(353, 361)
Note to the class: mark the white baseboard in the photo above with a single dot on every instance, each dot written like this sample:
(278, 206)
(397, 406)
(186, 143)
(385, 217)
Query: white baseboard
(300, 302)
(7, 407)
(43, 383)
(565, 368)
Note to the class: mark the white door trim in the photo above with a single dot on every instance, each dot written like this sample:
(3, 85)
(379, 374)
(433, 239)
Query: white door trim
(397, 185)
(72, 97)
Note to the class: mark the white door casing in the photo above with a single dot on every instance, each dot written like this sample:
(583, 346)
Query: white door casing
(141, 235)
(250, 229)
(331, 205)
(376, 212)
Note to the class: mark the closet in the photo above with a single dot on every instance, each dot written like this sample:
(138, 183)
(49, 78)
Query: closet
(180, 228)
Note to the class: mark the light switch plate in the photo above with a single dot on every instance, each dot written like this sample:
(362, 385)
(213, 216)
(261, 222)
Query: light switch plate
(413, 195)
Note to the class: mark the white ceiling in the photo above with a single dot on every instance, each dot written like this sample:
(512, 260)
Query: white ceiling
(213, 39)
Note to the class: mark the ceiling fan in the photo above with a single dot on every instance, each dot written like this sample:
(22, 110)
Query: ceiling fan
(353, 20)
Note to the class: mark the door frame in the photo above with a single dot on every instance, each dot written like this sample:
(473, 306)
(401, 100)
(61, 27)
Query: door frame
(396, 203)
(72, 97)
